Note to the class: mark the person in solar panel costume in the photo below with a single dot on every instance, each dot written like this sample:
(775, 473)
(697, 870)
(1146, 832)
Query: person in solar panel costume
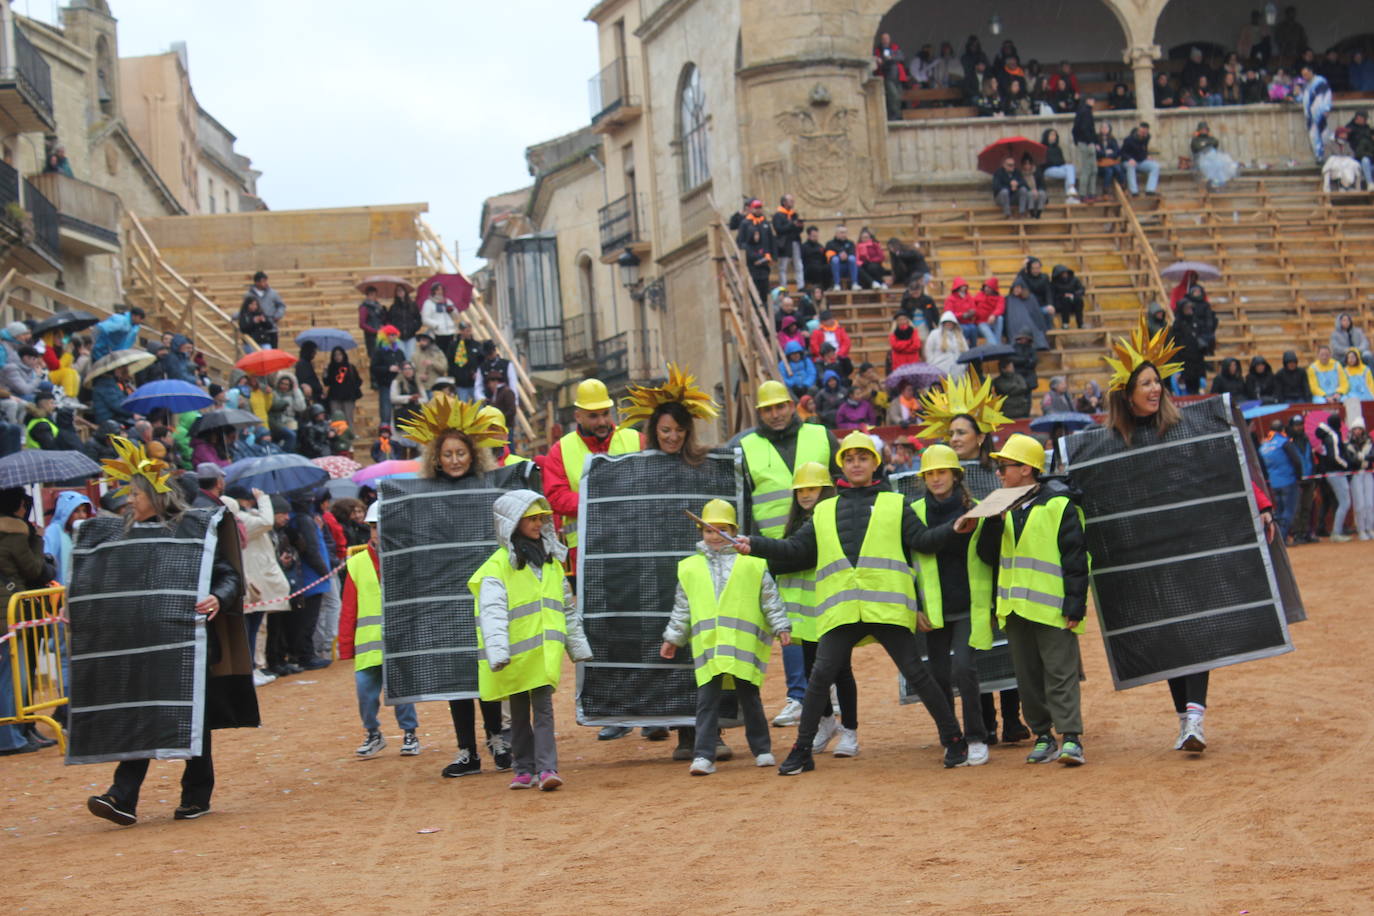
(456, 448)
(964, 415)
(155, 509)
(859, 543)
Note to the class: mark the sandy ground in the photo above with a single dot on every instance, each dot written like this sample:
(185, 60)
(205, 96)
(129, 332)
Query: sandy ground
(1275, 817)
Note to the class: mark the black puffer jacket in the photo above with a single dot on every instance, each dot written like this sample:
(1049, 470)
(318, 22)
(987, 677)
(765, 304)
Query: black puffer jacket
(1073, 546)
(1229, 380)
(1291, 385)
(1038, 286)
(798, 552)
(1260, 384)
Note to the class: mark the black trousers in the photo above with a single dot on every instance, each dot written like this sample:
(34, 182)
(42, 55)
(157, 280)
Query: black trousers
(846, 688)
(833, 653)
(197, 780)
(1189, 688)
(465, 721)
(760, 274)
(1011, 709)
(951, 664)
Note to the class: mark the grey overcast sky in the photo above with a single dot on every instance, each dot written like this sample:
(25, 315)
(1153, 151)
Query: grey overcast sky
(349, 102)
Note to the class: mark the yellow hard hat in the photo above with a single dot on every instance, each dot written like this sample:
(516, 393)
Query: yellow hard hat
(855, 440)
(493, 415)
(771, 392)
(719, 512)
(539, 507)
(811, 474)
(1023, 449)
(939, 456)
(592, 395)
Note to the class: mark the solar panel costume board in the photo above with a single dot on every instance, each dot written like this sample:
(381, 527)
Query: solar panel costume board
(1183, 578)
(138, 648)
(433, 535)
(632, 531)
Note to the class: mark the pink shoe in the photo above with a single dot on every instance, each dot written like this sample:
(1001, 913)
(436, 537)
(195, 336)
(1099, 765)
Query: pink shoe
(522, 781)
(549, 780)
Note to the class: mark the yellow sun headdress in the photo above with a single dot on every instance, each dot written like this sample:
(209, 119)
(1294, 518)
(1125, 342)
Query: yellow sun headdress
(447, 412)
(133, 461)
(680, 387)
(1140, 348)
(962, 396)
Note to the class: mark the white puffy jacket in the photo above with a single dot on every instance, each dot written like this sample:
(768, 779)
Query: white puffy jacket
(720, 562)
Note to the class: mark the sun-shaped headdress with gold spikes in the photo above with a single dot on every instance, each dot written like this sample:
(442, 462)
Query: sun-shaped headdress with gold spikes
(680, 387)
(447, 412)
(961, 396)
(1128, 354)
(133, 461)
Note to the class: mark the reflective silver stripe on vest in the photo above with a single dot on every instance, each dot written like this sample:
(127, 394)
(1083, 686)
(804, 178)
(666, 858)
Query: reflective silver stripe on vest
(362, 647)
(802, 610)
(806, 585)
(864, 563)
(371, 620)
(733, 651)
(770, 522)
(1028, 594)
(770, 497)
(1043, 566)
(863, 594)
(524, 610)
(731, 623)
(534, 642)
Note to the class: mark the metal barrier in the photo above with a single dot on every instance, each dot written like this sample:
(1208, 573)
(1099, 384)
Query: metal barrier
(35, 640)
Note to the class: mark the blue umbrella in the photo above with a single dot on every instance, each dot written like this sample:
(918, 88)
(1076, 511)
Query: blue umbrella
(33, 465)
(986, 351)
(1070, 422)
(327, 338)
(275, 473)
(342, 488)
(177, 396)
(1253, 409)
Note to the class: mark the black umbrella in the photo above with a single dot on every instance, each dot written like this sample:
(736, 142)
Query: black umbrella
(1071, 421)
(986, 351)
(225, 418)
(33, 465)
(70, 320)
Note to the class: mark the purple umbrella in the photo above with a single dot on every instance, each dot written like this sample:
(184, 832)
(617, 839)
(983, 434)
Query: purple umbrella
(382, 469)
(920, 375)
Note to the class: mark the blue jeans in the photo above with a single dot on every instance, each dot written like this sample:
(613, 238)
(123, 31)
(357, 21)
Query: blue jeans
(10, 736)
(1151, 170)
(384, 404)
(1067, 173)
(991, 331)
(368, 682)
(850, 266)
(1367, 165)
(1340, 486)
(1109, 174)
(465, 394)
(1285, 504)
(794, 668)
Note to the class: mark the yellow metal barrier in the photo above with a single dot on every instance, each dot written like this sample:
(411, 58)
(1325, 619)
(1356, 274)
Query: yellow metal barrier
(36, 643)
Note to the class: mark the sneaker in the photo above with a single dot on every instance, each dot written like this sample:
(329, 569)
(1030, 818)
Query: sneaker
(956, 755)
(1014, 731)
(612, 732)
(977, 754)
(522, 781)
(105, 806)
(848, 745)
(1340, 538)
(466, 763)
(765, 760)
(798, 761)
(1071, 755)
(655, 732)
(1191, 739)
(835, 288)
(1044, 751)
(549, 780)
(500, 752)
(825, 733)
(190, 812)
(789, 715)
(373, 743)
(262, 677)
(315, 664)
(410, 745)
(701, 767)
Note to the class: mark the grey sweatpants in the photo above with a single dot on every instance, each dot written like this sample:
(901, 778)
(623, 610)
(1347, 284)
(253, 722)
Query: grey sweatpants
(532, 743)
(750, 708)
(1047, 668)
(1086, 156)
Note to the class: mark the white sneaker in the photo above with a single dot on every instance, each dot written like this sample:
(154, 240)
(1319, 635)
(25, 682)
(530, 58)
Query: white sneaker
(701, 767)
(789, 715)
(848, 745)
(373, 743)
(977, 754)
(262, 678)
(765, 760)
(1193, 741)
(825, 733)
(835, 288)
(1182, 730)
(882, 285)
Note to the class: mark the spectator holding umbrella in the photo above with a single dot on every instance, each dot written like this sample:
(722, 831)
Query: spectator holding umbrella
(343, 385)
(404, 315)
(306, 377)
(438, 314)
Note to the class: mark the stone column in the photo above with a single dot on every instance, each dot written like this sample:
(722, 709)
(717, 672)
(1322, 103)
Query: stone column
(1142, 59)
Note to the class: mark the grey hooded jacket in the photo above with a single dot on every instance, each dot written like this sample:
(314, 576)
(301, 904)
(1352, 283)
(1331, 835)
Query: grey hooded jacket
(492, 606)
(720, 562)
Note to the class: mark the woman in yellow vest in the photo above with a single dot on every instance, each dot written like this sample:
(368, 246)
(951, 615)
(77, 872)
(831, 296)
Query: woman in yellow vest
(1041, 555)
(859, 543)
(955, 587)
(728, 606)
(360, 638)
(525, 622)
(811, 484)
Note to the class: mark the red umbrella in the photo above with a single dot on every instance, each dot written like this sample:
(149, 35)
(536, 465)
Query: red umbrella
(265, 362)
(386, 285)
(456, 288)
(990, 159)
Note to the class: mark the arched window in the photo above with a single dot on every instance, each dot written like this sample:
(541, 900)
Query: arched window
(692, 138)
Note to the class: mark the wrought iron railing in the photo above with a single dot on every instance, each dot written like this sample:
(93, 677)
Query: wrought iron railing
(45, 220)
(543, 348)
(622, 222)
(32, 70)
(9, 185)
(577, 338)
(612, 88)
(630, 355)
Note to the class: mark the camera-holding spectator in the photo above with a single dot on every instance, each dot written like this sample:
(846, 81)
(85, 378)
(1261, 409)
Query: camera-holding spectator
(843, 258)
(787, 231)
(256, 325)
(869, 253)
(25, 376)
(1135, 156)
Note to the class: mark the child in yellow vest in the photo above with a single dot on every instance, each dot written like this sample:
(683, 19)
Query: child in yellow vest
(728, 607)
(525, 623)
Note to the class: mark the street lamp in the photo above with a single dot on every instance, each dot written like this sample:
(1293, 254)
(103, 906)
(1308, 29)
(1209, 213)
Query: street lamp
(629, 269)
(995, 24)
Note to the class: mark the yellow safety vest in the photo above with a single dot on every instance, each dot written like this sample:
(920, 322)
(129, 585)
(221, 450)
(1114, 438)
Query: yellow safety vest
(979, 587)
(729, 633)
(29, 440)
(536, 627)
(575, 455)
(367, 635)
(512, 458)
(772, 496)
(879, 588)
(798, 593)
(1030, 582)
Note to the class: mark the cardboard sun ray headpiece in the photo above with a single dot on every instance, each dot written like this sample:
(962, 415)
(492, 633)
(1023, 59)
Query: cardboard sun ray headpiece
(133, 461)
(681, 387)
(962, 396)
(447, 412)
(1129, 354)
